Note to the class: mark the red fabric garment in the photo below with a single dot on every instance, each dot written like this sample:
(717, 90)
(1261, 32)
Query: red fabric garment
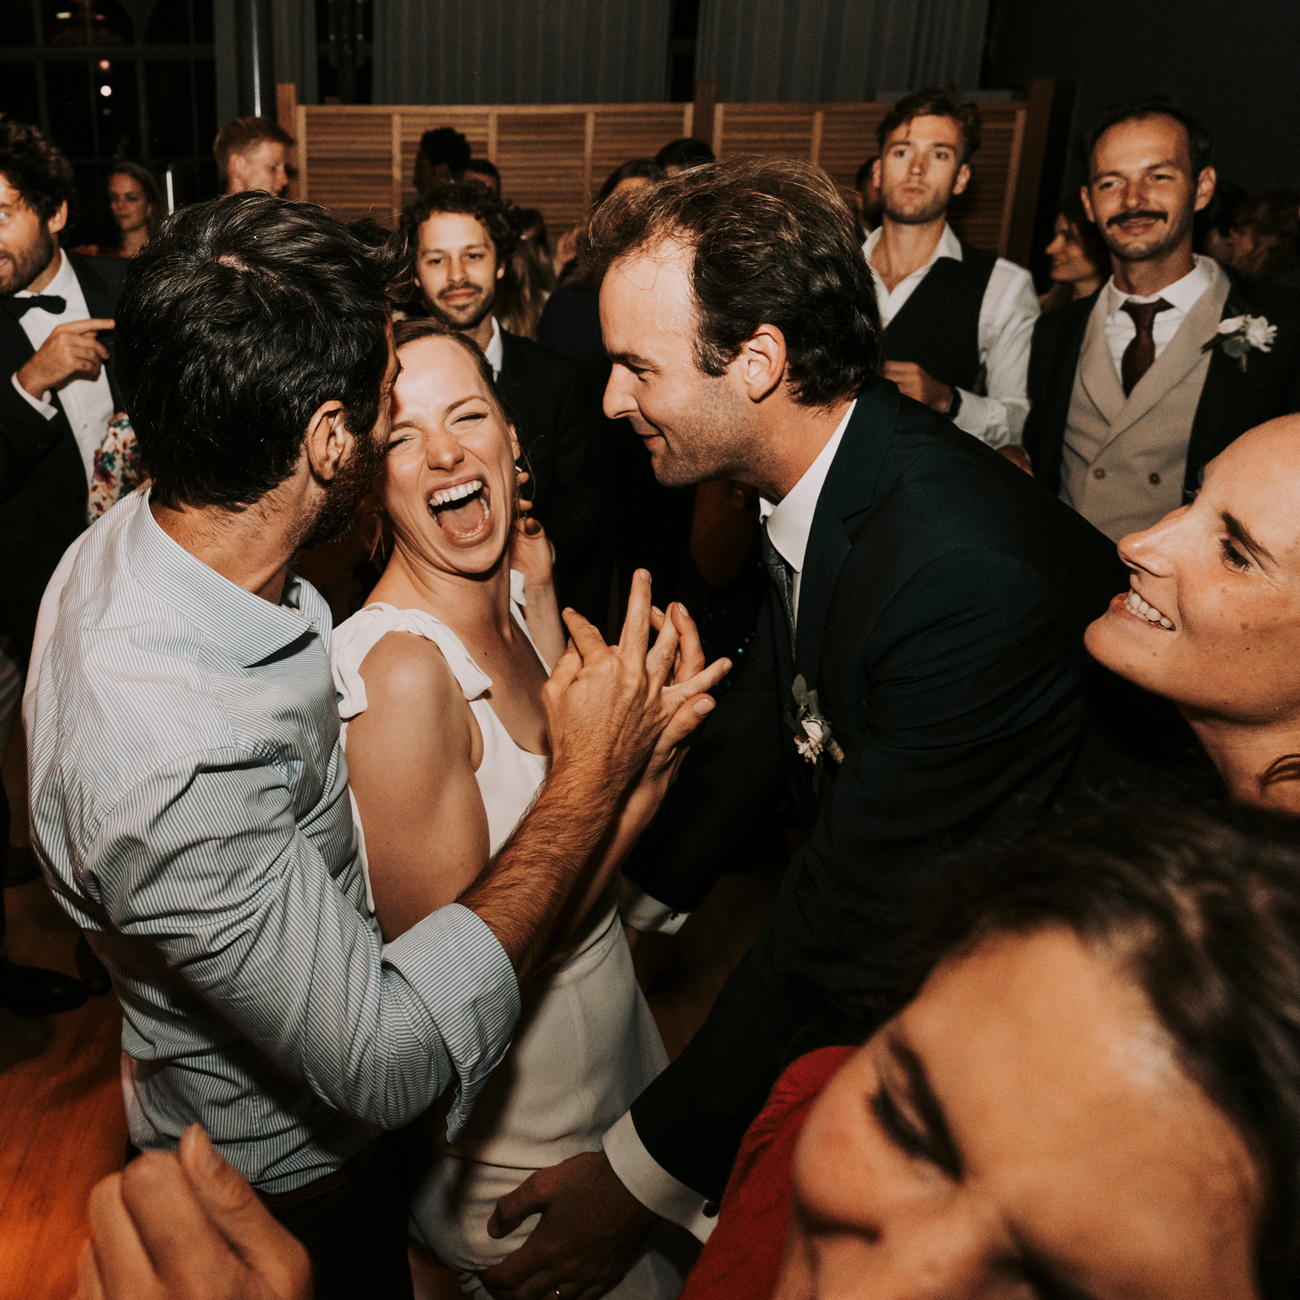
(742, 1259)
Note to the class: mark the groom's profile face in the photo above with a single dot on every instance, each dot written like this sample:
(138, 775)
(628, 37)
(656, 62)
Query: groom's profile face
(692, 424)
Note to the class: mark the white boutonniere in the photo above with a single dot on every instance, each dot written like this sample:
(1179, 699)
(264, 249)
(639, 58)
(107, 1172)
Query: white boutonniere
(812, 733)
(1239, 335)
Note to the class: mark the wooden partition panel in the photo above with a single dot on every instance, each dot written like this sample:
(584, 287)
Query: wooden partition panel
(359, 160)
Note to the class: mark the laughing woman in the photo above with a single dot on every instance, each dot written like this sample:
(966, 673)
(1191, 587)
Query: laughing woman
(440, 680)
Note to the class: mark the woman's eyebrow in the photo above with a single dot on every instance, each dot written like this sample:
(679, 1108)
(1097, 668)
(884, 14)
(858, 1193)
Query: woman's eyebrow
(928, 1105)
(1240, 533)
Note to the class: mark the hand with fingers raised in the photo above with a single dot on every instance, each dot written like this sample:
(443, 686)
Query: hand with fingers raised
(187, 1227)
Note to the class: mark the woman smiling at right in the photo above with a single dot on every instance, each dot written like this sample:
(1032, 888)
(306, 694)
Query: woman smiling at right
(1211, 620)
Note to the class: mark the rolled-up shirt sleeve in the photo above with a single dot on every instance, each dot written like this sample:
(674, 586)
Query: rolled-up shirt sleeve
(41, 404)
(1006, 328)
(207, 860)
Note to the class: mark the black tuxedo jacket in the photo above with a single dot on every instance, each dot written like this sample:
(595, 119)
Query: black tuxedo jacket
(556, 431)
(1232, 400)
(942, 607)
(43, 486)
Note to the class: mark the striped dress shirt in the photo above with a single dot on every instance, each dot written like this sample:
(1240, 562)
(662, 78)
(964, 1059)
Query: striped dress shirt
(191, 812)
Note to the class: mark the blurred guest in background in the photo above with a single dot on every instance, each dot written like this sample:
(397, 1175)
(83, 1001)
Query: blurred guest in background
(1080, 263)
(650, 524)
(866, 195)
(957, 320)
(1212, 225)
(137, 207)
(444, 153)
(1135, 388)
(252, 153)
(1265, 236)
(458, 241)
(479, 169)
(530, 276)
(677, 155)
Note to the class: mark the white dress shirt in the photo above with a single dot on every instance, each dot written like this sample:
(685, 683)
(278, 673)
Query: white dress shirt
(789, 524)
(1006, 327)
(1181, 296)
(88, 403)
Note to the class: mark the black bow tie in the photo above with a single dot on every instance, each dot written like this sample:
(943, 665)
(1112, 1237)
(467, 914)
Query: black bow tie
(50, 302)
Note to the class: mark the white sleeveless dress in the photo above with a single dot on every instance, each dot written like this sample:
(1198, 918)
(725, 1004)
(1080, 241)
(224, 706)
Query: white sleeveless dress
(586, 1044)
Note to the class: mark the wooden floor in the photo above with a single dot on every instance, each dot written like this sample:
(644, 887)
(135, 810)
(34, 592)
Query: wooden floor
(62, 1127)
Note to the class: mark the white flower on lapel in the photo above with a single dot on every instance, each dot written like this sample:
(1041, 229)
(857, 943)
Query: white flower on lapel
(812, 733)
(1238, 335)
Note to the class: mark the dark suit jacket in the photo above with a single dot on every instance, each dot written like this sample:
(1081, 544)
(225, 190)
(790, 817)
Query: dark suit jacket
(557, 434)
(1232, 400)
(941, 616)
(43, 484)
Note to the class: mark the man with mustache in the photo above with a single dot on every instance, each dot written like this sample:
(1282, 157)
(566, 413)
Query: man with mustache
(1131, 389)
(458, 240)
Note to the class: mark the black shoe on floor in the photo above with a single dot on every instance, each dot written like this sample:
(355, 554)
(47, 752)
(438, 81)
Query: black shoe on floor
(91, 968)
(34, 991)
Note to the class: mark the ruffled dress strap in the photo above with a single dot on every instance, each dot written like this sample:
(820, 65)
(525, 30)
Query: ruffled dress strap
(354, 639)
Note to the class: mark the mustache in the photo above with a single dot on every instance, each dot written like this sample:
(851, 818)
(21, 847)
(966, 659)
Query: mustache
(1120, 218)
(459, 288)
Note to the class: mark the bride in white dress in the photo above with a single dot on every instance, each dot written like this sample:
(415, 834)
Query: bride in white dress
(440, 687)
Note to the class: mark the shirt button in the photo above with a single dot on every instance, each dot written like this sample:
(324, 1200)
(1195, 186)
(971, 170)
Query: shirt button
(710, 1209)
(1153, 479)
(1099, 472)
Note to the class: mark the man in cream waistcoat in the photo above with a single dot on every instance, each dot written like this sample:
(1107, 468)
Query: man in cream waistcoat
(1127, 401)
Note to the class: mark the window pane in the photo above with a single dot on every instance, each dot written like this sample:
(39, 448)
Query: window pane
(171, 127)
(169, 24)
(202, 21)
(16, 23)
(205, 94)
(87, 22)
(68, 90)
(18, 92)
(117, 102)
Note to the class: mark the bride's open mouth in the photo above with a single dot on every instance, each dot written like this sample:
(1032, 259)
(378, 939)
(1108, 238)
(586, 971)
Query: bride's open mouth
(463, 512)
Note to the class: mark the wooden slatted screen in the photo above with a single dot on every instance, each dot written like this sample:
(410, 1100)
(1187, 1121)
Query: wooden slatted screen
(358, 160)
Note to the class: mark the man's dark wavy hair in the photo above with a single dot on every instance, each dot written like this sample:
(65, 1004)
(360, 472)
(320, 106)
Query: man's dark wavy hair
(238, 321)
(773, 244)
(1138, 109)
(1204, 917)
(36, 168)
(470, 198)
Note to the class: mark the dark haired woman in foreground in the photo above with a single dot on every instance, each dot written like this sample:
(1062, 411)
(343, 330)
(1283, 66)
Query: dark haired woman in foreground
(1093, 1092)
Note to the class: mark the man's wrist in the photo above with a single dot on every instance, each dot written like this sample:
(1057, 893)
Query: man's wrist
(30, 380)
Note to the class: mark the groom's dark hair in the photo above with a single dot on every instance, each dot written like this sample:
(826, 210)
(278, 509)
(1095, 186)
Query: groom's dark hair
(774, 243)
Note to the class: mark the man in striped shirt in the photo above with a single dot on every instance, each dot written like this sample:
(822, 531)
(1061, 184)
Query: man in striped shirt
(189, 794)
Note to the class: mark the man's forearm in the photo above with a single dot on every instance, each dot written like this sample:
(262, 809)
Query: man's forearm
(521, 894)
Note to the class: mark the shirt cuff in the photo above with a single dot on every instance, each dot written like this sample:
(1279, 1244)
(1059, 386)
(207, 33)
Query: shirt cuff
(985, 417)
(461, 974)
(653, 1185)
(647, 914)
(41, 404)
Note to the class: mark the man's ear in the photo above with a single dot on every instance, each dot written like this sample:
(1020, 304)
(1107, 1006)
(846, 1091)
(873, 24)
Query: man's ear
(963, 180)
(1205, 184)
(1086, 196)
(877, 171)
(329, 441)
(760, 364)
(59, 219)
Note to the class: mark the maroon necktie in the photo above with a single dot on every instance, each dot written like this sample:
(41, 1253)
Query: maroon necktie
(1141, 351)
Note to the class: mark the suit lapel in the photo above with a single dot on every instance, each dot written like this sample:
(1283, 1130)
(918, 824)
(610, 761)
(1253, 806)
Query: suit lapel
(849, 490)
(1223, 383)
(1181, 356)
(1097, 367)
(100, 304)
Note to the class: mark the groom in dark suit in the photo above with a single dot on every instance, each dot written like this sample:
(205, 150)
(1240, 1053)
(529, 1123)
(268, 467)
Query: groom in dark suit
(57, 387)
(930, 595)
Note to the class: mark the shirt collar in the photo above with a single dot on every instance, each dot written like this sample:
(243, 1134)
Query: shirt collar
(495, 352)
(249, 628)
(65, 278)
(948, 246)
(790, 521)
(1182, 294)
